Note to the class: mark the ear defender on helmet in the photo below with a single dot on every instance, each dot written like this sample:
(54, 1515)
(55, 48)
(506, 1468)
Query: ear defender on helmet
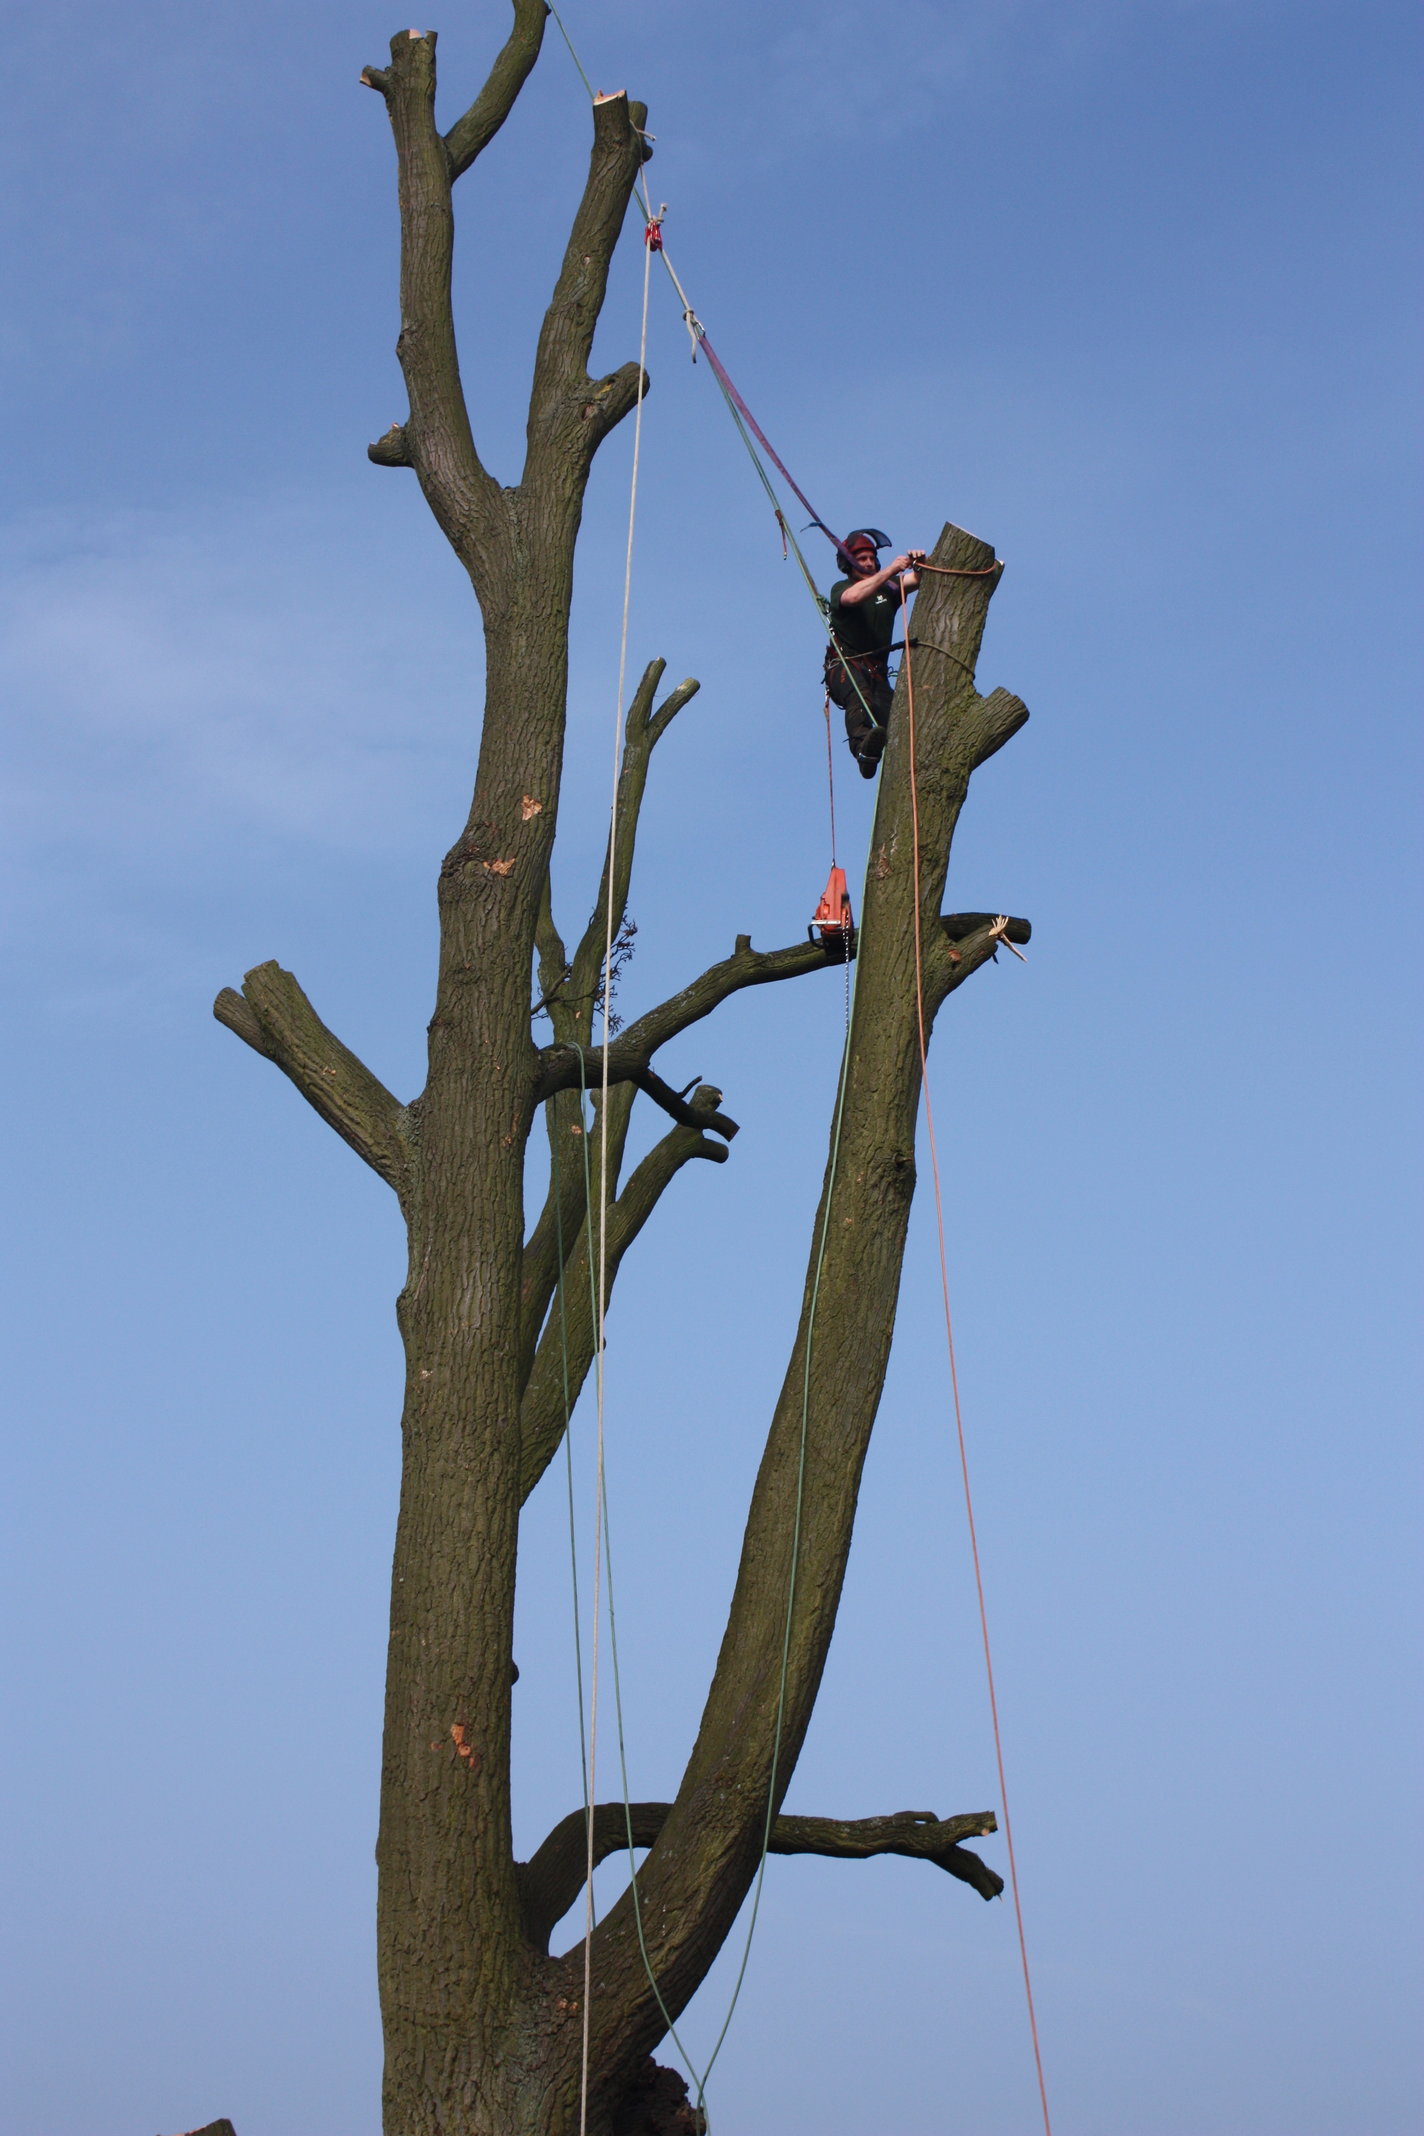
(861, 538)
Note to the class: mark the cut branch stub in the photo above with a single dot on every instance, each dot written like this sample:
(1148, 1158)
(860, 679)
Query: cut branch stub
(959, 924)
(391, 448)
(677, 1108)
(274, 1017)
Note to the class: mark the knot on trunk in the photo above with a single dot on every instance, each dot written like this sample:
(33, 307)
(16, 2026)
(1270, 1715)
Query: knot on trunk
(656, 2103)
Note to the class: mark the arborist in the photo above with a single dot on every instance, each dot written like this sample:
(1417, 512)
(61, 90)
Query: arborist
(863, 608)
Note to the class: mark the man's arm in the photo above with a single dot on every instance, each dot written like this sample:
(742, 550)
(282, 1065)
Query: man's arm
(861, 589)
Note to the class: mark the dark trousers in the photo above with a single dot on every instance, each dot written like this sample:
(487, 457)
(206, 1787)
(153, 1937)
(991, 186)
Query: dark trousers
(861, 687)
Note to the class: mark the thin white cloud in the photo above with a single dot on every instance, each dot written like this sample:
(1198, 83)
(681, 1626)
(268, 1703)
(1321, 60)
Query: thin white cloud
(213, 672)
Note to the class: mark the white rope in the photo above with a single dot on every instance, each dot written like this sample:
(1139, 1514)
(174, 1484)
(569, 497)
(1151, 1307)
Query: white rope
(598, 1500)
(997, 933)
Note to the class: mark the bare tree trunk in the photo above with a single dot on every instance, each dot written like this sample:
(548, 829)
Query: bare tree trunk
(483, 2028)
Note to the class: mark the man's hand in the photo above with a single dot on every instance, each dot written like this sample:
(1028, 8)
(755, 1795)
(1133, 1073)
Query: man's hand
(862, 588)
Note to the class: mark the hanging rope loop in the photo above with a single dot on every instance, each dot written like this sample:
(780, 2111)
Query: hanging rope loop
(961, 571)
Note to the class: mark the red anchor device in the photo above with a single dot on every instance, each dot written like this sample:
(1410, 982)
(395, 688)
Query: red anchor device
(833, 921)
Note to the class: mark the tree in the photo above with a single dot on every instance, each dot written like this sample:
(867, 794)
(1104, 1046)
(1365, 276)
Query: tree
(484, 2028)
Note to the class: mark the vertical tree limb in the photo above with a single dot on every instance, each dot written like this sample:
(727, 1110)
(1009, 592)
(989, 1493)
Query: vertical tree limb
(472, 134)
(570, 414)
(438, 439)
(697, 1874)
(570, 1338)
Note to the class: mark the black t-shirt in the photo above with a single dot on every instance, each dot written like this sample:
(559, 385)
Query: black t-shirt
(866, 626)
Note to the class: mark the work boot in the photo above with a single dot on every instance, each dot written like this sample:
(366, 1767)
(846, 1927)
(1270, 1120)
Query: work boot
(869, 751)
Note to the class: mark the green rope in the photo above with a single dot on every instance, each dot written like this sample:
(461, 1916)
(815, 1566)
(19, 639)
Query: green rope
(608, 1564)
(568, 1443)
(573, 55)
(822, 610)
(838, 1121)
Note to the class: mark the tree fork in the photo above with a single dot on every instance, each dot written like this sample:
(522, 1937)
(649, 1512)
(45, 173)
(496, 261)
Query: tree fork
(703, 1861)
(482, 2027)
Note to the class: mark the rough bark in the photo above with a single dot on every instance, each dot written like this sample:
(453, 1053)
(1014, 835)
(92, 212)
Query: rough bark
(552, 1879)
(701, 1865)
(482, 2026)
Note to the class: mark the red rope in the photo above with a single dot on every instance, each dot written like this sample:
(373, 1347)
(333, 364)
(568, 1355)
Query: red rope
(954, 1371)
(724, 379)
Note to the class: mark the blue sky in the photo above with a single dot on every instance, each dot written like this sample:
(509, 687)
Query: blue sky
(1119, 284)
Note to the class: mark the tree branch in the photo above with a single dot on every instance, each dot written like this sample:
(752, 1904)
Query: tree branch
(991, 721)
(571, 1336)
(631, 1051)
(562, 1215)
(959, 924)
(274, 1017)
(437, 441)
(390, 448)
(953, 956)
(555, 971)
(802, 1512)
(570, 413)
(472, 134)
(643, 731)
(677, 1108)
(552, 1878)
(569, 991)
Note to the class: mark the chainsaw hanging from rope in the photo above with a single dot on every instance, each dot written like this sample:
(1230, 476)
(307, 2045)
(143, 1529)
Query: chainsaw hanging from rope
(834, 922)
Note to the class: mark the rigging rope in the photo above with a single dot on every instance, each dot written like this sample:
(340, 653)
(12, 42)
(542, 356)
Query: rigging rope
(602, 1299)
(568, 1441)
(949, 1341)
(747, 425)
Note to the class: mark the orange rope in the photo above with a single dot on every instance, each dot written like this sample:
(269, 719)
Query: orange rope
(959, 571)
(953, 1369)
